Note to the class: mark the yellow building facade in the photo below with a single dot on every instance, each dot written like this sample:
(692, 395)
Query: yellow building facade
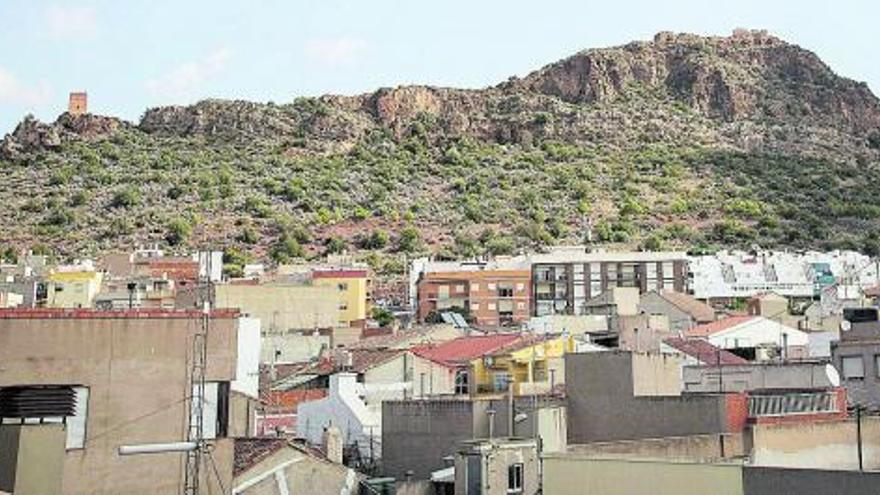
(74, 289)
(529, 368)
(353, 293)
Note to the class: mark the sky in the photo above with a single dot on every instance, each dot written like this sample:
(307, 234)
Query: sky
(135, 54)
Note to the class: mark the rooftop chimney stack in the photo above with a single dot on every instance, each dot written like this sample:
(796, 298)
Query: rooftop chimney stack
(78, 104)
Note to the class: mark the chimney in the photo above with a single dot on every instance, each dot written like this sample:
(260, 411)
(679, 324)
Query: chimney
(333, 444)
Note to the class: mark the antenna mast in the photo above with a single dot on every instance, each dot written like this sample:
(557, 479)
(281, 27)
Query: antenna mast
(196, 428)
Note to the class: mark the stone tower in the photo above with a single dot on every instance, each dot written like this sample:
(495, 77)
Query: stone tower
(78, 104)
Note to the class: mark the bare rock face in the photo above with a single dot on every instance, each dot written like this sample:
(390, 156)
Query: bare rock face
(30, 134)
(748, 74)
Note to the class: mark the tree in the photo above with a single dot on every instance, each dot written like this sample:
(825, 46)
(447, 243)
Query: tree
(286, 249)
(377, 239)
(179, 229)
(410, 240)
(335, 245)
(383, 317)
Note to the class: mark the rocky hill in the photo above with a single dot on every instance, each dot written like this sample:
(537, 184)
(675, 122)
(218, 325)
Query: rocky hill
(684, 141)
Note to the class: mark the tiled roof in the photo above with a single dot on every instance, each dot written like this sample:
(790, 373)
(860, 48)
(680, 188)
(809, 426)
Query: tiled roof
(703, 351)
(249, 452)
(465, 349)
(289, 400)
(700, 312)
(361, 360)
(718, 326)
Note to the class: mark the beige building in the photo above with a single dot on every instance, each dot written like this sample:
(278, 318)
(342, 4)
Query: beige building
(282, 307)
(124, 377)
(498, 466)
(567, 474)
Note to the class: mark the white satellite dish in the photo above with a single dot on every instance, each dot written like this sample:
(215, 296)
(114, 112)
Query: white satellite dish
(833, 375)
(845, 325)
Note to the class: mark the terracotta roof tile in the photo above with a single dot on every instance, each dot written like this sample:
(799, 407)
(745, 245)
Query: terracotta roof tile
(361, 360)
(465, 349)
(703, 351)
(718, 326)
(248, 452)
(288, 400)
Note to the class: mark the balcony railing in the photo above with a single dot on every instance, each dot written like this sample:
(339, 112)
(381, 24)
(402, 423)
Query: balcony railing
(799, 403)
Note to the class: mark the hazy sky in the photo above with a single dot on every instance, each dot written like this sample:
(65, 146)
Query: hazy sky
(130, 55)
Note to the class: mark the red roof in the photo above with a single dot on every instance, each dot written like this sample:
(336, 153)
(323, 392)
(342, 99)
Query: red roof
(339, 274)
(93, 314)
(361, 360)
(703, 351)
(289, 400)
(465, 349)
(248, 452)
(718, 326)
(174, 268)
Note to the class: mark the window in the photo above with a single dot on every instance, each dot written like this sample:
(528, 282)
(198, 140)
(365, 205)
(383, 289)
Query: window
(520, 305)
(461, 382)
(501, 382)
(343, 306)
(491, 286)
(475, 287)
(343, 286)
(491, 306)
(877, 364)
(515, 478)
(853, 368)
(459, 288)
(215, 415)
(520, 287)
(475, 306)
(505, 290)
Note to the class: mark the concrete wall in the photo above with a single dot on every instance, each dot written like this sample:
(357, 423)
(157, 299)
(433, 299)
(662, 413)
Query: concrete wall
(576, 475)
(694, 448)
(137, 372)
(416, 435)
(756, 376)
(32, 458)
(602, 405)
(283, 307)
(856, 342)
(496, 458)
(292, 347)
(679, 321)
(437, 379)
(774, 481)
(819, 445)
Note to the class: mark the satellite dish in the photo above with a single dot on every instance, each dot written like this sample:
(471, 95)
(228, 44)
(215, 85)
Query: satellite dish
(845, 325)
(833, 375)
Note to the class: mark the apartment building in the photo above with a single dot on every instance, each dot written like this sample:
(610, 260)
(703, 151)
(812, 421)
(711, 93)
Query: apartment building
(564, 279)
(493, 296)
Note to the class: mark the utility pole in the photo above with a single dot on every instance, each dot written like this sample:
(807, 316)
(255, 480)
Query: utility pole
(859, 436)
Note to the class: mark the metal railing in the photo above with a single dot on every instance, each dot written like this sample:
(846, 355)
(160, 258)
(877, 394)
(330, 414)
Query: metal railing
(797, 403)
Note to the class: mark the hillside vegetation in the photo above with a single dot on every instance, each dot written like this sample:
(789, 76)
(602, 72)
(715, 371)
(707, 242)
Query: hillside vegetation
(682, 142)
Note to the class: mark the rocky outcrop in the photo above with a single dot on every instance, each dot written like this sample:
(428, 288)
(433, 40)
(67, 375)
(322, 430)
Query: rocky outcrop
(32, 135)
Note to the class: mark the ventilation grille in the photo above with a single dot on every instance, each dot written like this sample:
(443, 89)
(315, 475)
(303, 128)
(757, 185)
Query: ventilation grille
(37, 402)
